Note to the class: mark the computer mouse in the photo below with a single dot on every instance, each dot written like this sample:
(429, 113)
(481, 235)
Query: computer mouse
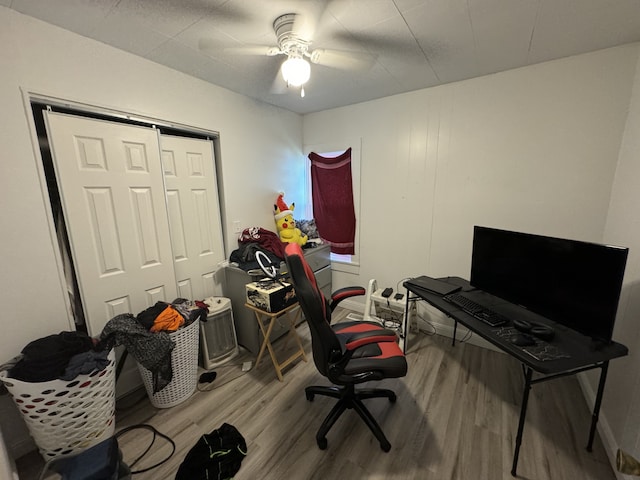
(522, 340)
(522, 325)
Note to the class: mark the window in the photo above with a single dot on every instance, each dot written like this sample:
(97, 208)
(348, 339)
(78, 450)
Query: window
(346, 263)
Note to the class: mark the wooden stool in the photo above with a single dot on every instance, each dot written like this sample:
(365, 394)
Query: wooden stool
(262, 316)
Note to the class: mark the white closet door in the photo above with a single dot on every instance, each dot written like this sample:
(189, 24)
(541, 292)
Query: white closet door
(112, 191)
(194, 214)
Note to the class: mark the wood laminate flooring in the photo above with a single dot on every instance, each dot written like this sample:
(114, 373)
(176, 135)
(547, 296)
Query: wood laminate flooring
(455, 417)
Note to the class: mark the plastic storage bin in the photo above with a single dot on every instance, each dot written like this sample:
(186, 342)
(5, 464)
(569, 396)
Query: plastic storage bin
(67, 417)
(184, 363)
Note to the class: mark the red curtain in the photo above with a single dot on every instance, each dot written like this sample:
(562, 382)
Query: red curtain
(332, 193)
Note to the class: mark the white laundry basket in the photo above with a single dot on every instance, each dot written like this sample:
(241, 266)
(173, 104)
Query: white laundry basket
(184, 364)
(67, 417)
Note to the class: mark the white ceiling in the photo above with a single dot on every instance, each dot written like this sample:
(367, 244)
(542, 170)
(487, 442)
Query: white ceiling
(415, 43)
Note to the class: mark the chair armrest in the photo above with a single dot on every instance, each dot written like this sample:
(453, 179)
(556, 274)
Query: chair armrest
(353, 343)
(346, 292)
(359, 339)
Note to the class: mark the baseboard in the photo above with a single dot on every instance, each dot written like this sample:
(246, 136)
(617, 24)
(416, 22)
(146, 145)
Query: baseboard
(129, 380)
(446, 330)
(8, 467)
(21, 446)
(15, 433)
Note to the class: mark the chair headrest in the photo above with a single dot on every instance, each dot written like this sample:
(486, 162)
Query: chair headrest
(293, 250)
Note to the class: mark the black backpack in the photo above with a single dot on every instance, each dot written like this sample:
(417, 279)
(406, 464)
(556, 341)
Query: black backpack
(216, 455)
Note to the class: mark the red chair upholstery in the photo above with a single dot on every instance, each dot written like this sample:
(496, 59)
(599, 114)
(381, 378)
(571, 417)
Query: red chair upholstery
(346, 353)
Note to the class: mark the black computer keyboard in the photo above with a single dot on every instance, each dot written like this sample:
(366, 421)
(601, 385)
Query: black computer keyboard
(476, 310)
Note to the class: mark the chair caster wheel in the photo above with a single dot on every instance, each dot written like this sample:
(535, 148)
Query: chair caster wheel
(385, 446)
(322, 443)
(393, 398)
(310, 396)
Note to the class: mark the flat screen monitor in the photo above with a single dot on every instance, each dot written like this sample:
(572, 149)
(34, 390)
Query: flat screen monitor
(571, 282)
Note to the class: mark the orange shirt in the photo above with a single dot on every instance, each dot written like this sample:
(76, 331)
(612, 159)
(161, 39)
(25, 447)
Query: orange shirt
(168, 320)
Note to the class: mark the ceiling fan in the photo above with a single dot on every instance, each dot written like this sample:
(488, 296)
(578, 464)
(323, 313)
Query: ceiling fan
(294, 35)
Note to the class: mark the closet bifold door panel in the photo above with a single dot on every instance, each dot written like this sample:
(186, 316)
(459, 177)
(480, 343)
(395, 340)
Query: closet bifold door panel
(112, 192)
(194, 214)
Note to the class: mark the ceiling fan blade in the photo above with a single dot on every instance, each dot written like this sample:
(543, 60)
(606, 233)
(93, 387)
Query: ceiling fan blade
(279, 86)
(304, 27)
(376, 42)
(210, 46)
(224, 12)
(342, 59)
(308, 20)
(253, 50)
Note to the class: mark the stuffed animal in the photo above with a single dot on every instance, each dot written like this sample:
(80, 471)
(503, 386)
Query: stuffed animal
(286, 224)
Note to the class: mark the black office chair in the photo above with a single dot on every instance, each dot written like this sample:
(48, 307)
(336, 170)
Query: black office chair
(346, 353)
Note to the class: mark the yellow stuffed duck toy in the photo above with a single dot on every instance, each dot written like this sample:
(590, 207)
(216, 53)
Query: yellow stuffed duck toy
(286, 224)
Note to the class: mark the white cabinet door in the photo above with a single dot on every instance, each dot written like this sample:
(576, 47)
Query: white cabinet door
(194, 214)
(112, 191)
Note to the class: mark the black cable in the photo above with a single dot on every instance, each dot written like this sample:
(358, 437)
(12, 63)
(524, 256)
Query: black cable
(430, 324)
(466, 337)
(155, 433)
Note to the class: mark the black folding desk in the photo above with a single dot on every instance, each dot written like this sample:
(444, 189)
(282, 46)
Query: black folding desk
(581, 352)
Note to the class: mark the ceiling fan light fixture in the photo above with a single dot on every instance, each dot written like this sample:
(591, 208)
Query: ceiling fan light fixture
(296, 71)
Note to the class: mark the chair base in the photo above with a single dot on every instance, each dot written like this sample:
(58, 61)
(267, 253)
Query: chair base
(350, 398)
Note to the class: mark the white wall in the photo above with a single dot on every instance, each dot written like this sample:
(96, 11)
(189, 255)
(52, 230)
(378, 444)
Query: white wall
(622, 397)
(533, 149)
(257, 143)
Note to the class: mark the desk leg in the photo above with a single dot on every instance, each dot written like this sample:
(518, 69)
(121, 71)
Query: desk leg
(596, 407)
(523, 414)
(455, 329)
(404, 324)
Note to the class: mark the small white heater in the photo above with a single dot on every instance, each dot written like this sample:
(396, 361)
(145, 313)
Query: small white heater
(218, 341)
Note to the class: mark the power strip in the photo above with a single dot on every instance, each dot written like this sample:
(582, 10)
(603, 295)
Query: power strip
(396, 305)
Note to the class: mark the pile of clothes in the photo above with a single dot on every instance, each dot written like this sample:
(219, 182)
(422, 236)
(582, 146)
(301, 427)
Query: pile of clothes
(146, 337)
(63, 356)
(255, 239)
(169, 317)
